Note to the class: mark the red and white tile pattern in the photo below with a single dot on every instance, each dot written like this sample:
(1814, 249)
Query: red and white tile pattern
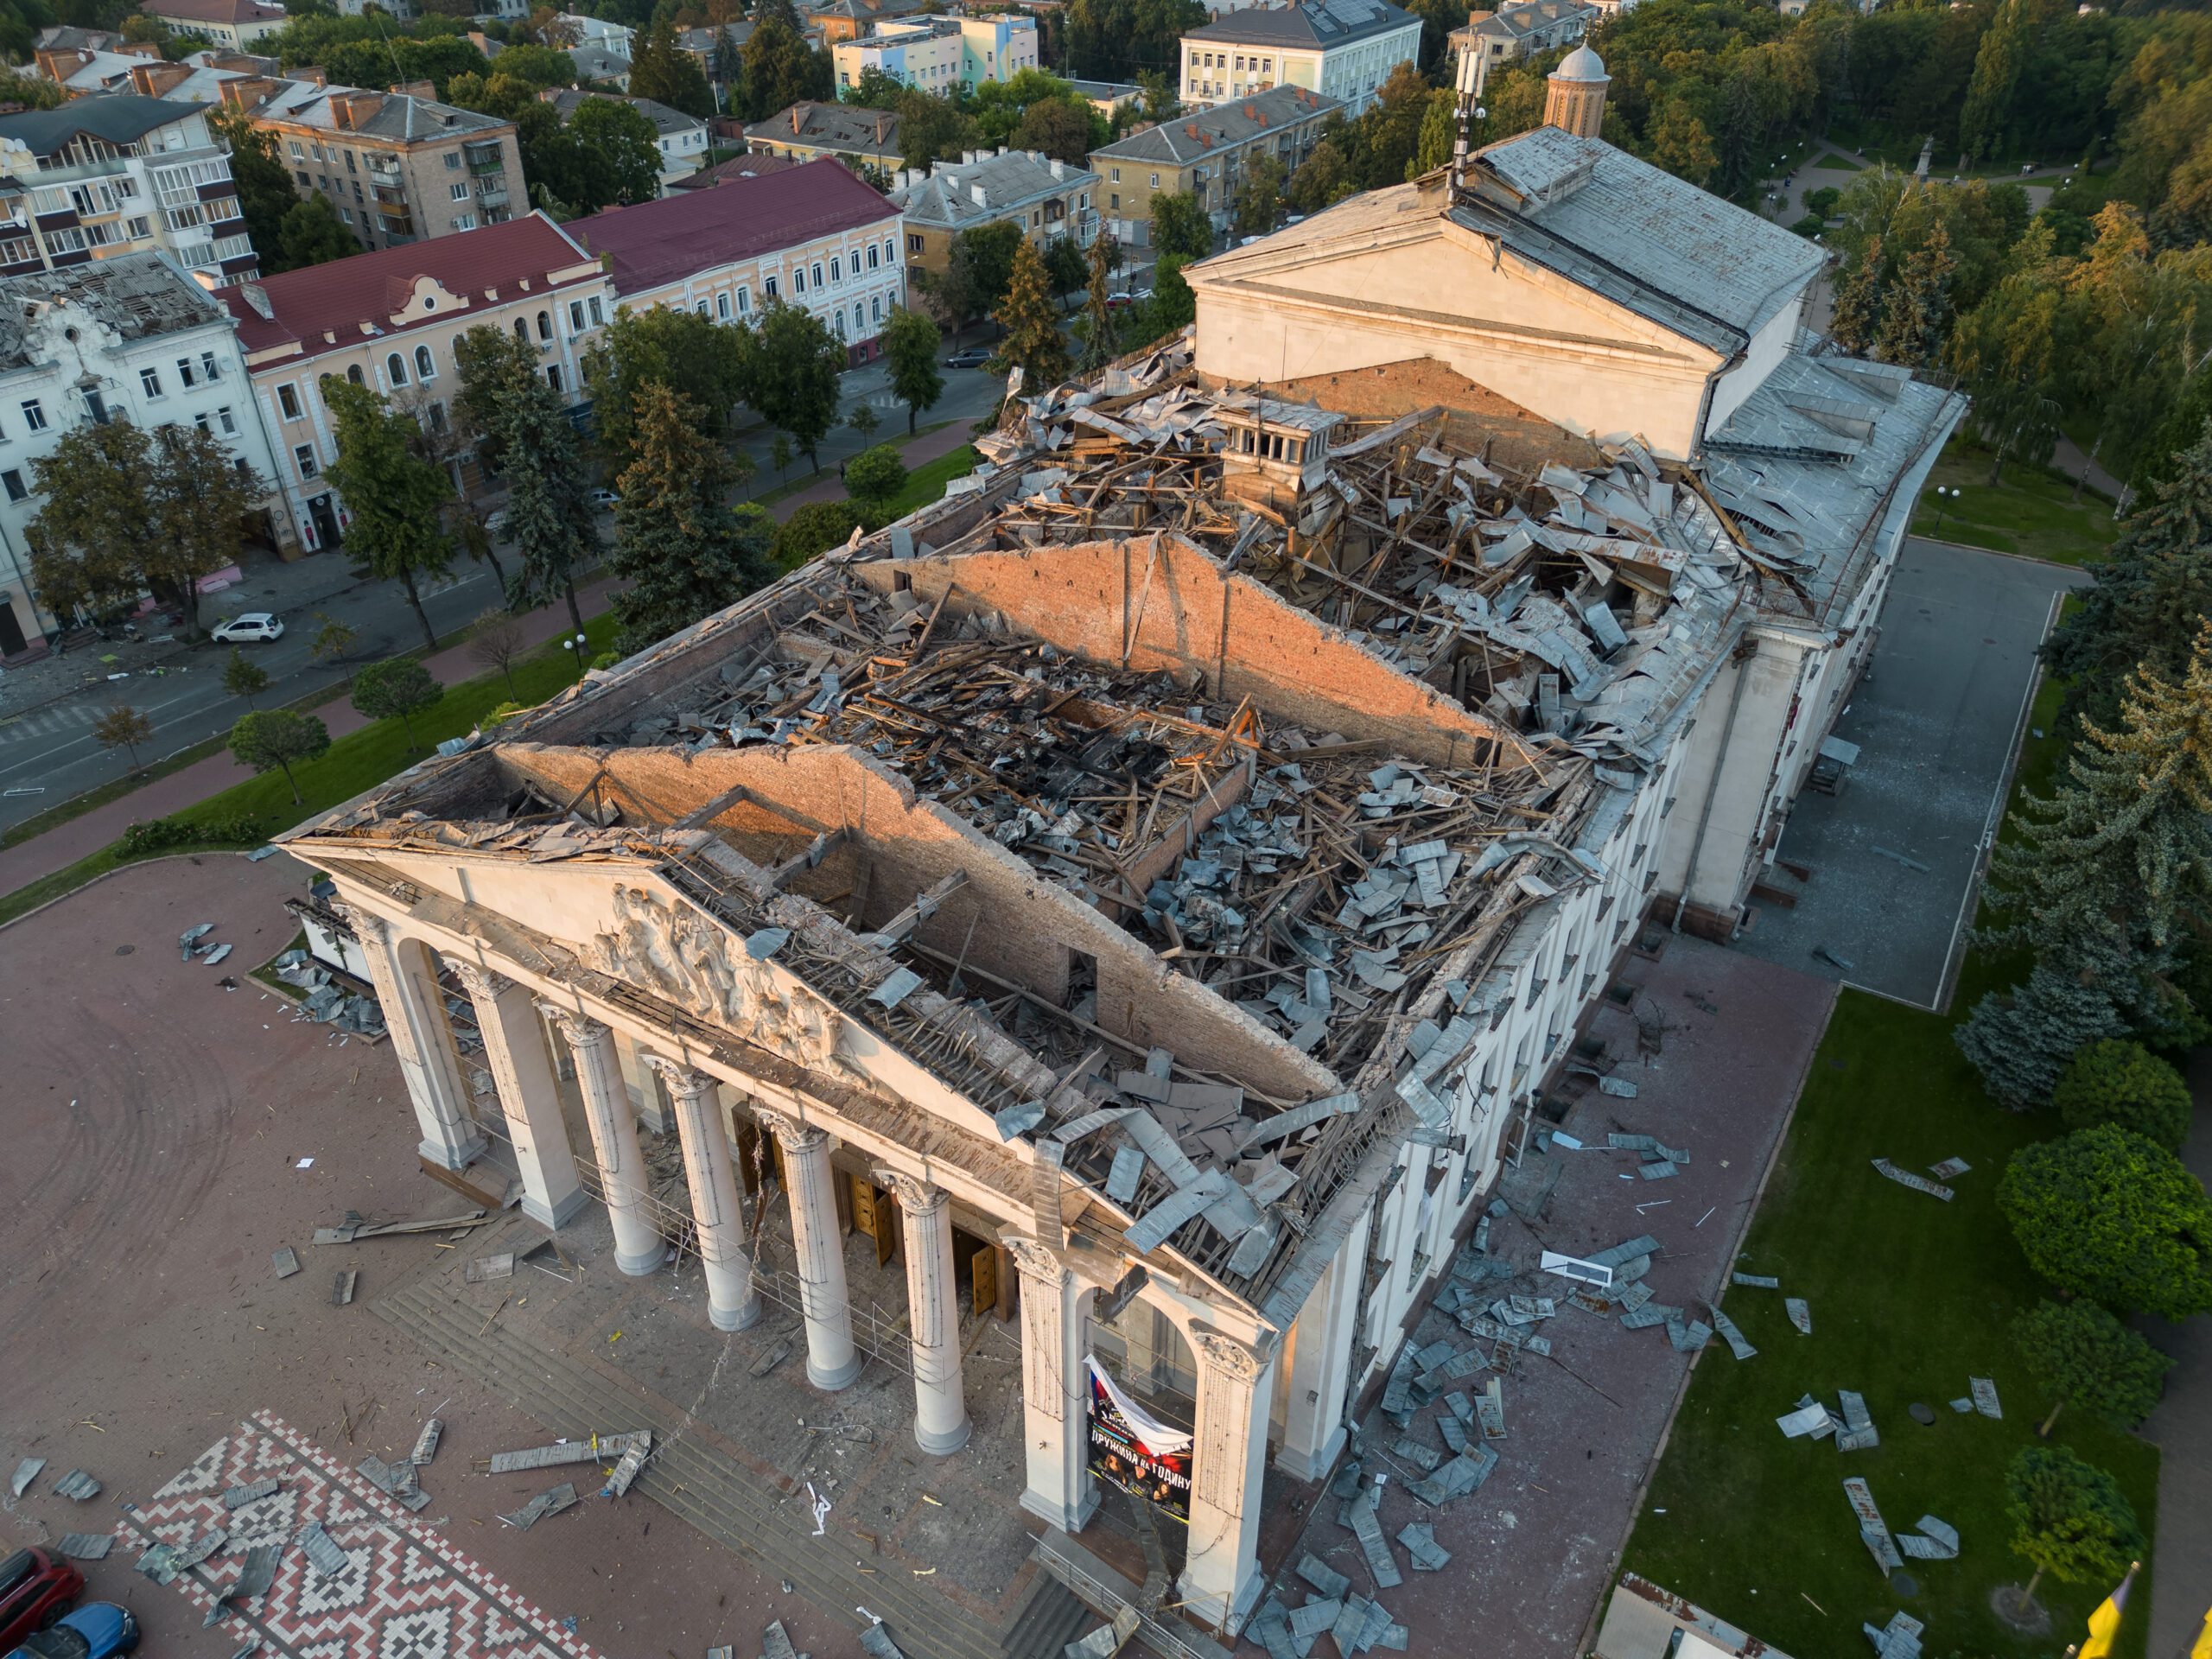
(406, 1591)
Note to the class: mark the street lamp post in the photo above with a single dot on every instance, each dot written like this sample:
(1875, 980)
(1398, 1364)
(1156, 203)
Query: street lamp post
(1941, 493)
(576, 643)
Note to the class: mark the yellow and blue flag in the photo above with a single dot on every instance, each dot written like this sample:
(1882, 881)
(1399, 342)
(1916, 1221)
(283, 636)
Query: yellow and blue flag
(2104, 1623)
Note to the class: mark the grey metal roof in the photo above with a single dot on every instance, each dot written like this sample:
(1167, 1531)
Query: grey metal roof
(1191, 138)
(1637, 234)
(846, 128)
(595, 62)
(120, 118)
(1313, 23)
(401, 115)
(140, 295)
(1825, 452)
(947, 197)
(1517, 22)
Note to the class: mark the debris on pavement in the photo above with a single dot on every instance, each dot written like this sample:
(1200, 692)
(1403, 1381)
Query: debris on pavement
(160, 1563)
(776, 1642)
(342, 1288)
(25, 1472)
(1107, 1639)
(286, 1261)
(590, 1449)
(323, 1551)
(83, 1488)
(395, 1480)
(325, 1000)
(426, 1443)
(1737, 1344)
(487, 1268)
(626, 1467)
(550, 1501)
(878, 1643)
(1420, 1538)
(353, 1227)
(237, 1497)
(86, 1546)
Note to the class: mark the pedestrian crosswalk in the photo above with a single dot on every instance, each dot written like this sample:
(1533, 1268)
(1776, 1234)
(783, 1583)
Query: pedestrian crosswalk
(68, 717)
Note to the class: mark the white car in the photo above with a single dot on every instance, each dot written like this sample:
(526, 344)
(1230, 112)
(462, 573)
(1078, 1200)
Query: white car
(254, 625)
(606, 500)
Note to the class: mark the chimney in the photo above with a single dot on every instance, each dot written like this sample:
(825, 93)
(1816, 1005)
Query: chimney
(138, 49)
(351, 109)
(427, 91)
(1058, 171)
(155, 80)
(797, 121)
(982, 197)
(311, 75)
(57, 64)
(248, 92)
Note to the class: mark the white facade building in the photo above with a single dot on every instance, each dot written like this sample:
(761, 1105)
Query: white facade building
(1344, 49)
(130, 339)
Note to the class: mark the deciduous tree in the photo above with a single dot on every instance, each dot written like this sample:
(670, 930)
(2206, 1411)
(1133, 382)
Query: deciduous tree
(1180, 224)
(2125, 1084)
(873, 476)
(796, 361)
(496, 641)
(310, 234)
(2106, 1214)
(814, 527)
(396, 499)
(2080, 1356)
(123, 727)
(702, 361)
(244, 677)
(2069, 1518)
(398, 687)
(1259, 196)
(909, 342)
(1916, 310)
(278, 739)
(622, 136)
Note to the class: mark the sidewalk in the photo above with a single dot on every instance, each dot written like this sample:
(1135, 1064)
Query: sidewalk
(65, 843)
(919, 453)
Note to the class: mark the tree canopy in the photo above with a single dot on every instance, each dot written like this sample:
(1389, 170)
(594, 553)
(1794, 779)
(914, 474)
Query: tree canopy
(2106, 1214)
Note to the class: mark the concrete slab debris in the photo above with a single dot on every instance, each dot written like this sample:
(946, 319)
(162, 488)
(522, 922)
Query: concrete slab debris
(1801, 1313)
(1985, 1396)
(487, 1268)
(1917, 1183)
(79, 1485)
(86, 1546)
(26, 1472)
(286, 1261)
(552, 1501)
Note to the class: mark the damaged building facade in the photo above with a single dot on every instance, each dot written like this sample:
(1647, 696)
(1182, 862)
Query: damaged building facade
(1162, 876)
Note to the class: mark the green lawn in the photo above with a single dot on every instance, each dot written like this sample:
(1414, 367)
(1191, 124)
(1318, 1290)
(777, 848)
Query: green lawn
(1910, 1296)
(808, 481)
(2030, 511)
(352, 763)
(927, 481)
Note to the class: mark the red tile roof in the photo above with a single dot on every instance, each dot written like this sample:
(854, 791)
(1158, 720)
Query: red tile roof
(339, 297)
(665, 241)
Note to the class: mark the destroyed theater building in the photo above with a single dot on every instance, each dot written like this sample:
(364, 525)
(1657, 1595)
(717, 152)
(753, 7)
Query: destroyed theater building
(1164, 873)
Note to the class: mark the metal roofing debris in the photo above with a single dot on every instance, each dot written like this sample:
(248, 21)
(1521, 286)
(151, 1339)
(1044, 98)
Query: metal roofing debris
(1801, 1313)
(552, 1501)
(201, 1548)
(1756, 1280)
(1429, 1556)
(286, 1260)
(1323, 1577)
(86, 1546)
(1687, 1337)
(160, 1563)
(1858, 1432)
(237, 1497)
(188, 940)
(626, 1468)
(1963, 1407)
(1359, 1514)
(1872, 1529)
(1457, 1476)
(25, 1472)
(426, 1443)
(353, 1227)
(1930, 1540)
(878, 1643)
(79, 1485)
(1985, 1396)
(591, 1449)
(484, 1268)
(776, 1642)
(1108, 1638)
(1806, 1419)
(1949, 1169)
(212, 958)
(342, 1285)
(395, 1480)
(1917, 1183)
(323, 1551)
(1737, 1344)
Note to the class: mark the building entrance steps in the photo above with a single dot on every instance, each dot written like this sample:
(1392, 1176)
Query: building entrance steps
(937, 1547)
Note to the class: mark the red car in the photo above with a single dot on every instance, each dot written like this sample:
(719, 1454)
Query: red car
(36, 1589)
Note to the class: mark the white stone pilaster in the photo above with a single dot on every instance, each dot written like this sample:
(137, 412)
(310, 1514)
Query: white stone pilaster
(413, 1018)
(1228, 1460)
(941, 1423)
(733, 1303)
(832, 1361)
(529, 1098)
(1055, 1392)
(638, 1248)
(1320, 1363)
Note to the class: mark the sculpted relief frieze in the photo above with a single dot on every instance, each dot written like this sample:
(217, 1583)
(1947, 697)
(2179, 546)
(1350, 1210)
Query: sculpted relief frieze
(675, 952)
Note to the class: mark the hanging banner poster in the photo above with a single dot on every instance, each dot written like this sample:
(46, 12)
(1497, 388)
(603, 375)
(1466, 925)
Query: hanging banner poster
(1133, 1449)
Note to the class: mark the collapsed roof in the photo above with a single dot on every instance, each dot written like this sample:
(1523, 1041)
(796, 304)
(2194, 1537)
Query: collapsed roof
(1183, 794)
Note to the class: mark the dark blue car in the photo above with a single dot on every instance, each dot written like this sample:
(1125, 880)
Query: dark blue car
(93, 1631)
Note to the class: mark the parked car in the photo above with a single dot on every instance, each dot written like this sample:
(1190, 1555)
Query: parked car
(495, 524)
(606, 500)
(974, 358)
(1120, 301)
(97, 1630)
(244, 630)
(36, 1589)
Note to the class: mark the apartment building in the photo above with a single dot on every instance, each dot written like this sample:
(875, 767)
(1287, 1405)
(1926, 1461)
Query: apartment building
(809, 131)
(233, 23)
(389, 319)
(1344, 49)
(619, 38)
(939, 53)
(1511, 33)
(1204, 153)
(848, 20)
(117, 173)
(681, 139)
(133, 337)
(812, 236)
(398, 166)
(1046, 198)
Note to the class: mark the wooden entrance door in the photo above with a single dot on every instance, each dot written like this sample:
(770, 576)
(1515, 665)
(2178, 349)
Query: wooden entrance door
(875, 1212)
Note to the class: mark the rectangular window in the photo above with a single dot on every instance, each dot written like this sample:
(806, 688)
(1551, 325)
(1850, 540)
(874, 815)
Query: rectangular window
(34, 414)
(575, 316)
(553, 376)
(200, 420)
(228, 423)
(1117, 174)
(140, 228)
(453, 160)
(346, 214)
(464, 221)
(721, 306)
(14, 481)
(1155, 180)
(212, 369)
(186, 373)
(151, 379)
(744, 300)
(458, 191)
(768, 283)
(304, 457)
(288, 401)
(350, 168)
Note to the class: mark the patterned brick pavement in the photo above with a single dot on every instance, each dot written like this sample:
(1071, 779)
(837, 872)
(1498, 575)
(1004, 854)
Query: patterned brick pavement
(405, 1593)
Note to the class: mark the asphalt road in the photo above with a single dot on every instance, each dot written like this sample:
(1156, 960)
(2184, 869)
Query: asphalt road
(49, 748)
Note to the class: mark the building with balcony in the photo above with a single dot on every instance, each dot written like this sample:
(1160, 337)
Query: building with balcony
(1204, 153)
(1046, 198)
(1344, 49)
(133, 337)
(619, 39)
(682, 138)
(117, 173)
(936, 54)
(808, 131)
(233, 23)
(812, 236)
(389, 319)
(398, 166)
(1511, 33)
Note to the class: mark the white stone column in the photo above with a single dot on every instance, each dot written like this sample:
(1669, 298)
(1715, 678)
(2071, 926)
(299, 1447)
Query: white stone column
(1228, 1460)
(832, 1361)
(638, 1248)
(1055, 1391)
(941, 1423)
(413, 1018)
(522, 1070)
(1321, 1358)
(732, 1302)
